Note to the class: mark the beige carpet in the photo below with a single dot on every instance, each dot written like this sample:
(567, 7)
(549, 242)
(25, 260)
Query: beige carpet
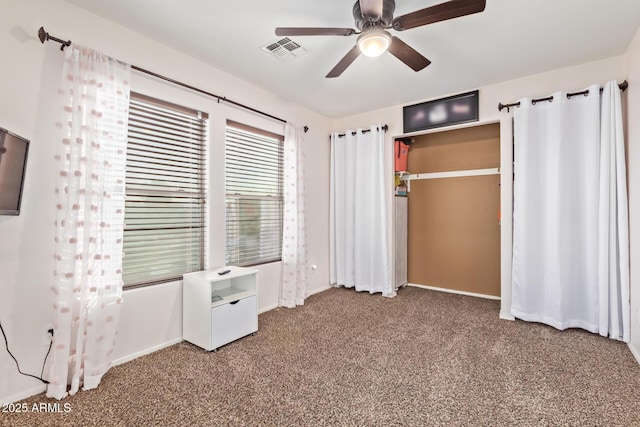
(352, 359)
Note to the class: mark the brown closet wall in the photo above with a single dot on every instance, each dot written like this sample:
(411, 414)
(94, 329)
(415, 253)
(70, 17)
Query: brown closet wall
(453, 223)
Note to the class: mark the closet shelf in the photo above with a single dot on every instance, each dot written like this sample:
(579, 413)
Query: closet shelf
(454, 174)
(403, 177)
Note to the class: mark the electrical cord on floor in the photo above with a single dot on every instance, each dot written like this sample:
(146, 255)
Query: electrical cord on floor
(6, 344)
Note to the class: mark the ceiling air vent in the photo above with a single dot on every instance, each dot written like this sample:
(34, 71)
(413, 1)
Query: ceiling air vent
(284, 49)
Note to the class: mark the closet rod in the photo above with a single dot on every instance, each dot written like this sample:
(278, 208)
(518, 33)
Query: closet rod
(44, 36)
(384, 128)
(623, 86)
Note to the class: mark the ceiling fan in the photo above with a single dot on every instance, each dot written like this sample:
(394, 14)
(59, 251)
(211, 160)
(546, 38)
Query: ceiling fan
(374, 17)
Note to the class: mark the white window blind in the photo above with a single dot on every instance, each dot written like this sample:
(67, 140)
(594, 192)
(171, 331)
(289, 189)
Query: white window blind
(165, 208)
(253, 176)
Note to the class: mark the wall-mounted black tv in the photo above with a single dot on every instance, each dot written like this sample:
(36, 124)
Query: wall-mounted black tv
(13, 163)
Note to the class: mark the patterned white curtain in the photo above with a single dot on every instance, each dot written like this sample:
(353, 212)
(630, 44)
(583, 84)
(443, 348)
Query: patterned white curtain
(89, 182)
(294, 250)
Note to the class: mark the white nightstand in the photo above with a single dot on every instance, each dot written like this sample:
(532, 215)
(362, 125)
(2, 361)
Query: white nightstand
(218, 309)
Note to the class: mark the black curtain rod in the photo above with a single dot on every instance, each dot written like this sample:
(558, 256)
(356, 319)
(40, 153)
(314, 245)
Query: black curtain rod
(44, 36)
(384, 128)
(623, 86)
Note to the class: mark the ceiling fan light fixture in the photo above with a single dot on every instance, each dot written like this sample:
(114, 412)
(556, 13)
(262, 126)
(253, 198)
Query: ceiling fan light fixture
(374, 42)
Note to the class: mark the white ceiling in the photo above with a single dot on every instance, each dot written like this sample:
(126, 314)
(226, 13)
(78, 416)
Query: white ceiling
(510, 39)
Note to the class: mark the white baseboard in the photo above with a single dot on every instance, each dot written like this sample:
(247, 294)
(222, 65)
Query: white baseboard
(37, 390)
(315, 291)
(146, 351)
(507, 316)
(635, 352)
(23, 394)
(42, 388)
(265, 309)
(503, 315)
(453, 291)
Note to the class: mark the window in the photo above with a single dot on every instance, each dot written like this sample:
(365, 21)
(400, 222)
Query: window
(253, 175)
(165, 209)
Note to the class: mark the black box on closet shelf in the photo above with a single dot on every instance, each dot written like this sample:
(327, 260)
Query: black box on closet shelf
(453, 110)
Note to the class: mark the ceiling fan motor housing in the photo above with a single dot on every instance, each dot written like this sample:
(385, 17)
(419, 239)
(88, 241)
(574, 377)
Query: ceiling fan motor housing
(365, 22)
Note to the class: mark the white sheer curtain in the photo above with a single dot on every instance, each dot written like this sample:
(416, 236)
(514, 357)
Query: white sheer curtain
(358, 217)
(294, 248)
(570, 225)
(89, 182)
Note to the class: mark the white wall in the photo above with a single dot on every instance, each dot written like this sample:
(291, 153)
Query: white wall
(569, 79)
(151, 317)
(633, 143)
(29, 76)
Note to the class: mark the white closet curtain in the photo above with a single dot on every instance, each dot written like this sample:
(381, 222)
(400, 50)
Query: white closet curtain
(294, 249)
(613, 268)
(570, 242)
(89, 186)
(358, 217)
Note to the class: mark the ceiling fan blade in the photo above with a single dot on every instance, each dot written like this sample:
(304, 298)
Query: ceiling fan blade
(371, 8)
(408, 55)
(294, 31)
(344, 62)
(437, 13)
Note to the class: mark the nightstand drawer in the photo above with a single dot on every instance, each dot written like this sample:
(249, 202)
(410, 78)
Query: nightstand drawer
(232, 321)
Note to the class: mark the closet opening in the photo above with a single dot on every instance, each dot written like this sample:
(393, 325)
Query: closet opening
(453, 213)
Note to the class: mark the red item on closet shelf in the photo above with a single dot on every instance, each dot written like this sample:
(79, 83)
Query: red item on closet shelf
(401, 154)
